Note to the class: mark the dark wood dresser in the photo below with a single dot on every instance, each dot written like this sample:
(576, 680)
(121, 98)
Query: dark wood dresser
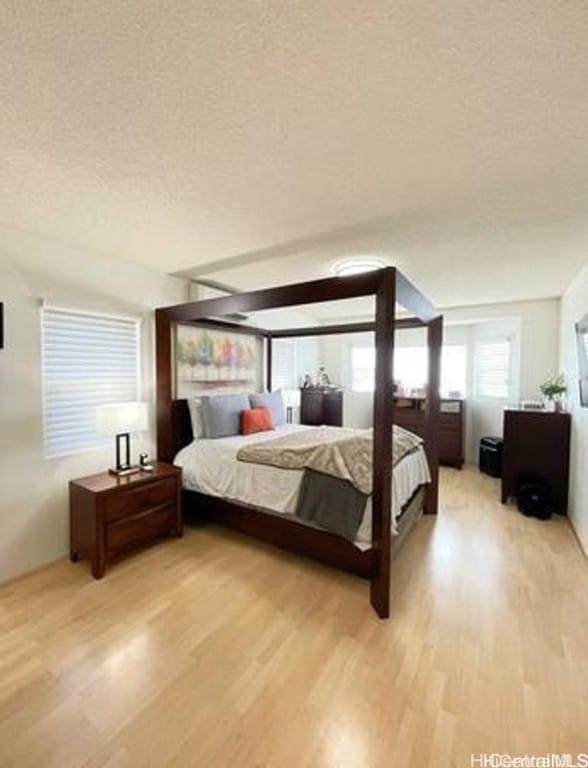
(321, 406)
(410, 413)
(537, 444)
(110, 515)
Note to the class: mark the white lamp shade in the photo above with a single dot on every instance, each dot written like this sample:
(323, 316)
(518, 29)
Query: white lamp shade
(119, 418)
(291, 398)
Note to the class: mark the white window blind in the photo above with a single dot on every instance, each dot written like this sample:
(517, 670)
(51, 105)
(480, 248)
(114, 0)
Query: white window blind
(454, 366)
(363, 365)
(492, 369)
(411, 368)
(88, 360)
(284, 364)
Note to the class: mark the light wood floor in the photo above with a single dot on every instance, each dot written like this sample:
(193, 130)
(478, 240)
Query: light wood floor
(217, 651)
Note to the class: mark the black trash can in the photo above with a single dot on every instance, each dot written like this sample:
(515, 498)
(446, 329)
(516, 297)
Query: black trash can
(491, 456)
(534, 497)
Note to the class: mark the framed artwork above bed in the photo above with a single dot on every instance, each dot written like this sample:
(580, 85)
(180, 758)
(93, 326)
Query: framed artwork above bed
(220, 360)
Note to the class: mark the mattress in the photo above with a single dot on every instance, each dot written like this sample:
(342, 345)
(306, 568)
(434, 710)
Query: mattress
(211, 467)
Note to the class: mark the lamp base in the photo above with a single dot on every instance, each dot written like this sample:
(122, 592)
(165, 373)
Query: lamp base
(124, 471)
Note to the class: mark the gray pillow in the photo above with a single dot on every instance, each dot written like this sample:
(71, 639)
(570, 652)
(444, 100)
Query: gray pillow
(221, 414)
(272, 400)
(195, 408)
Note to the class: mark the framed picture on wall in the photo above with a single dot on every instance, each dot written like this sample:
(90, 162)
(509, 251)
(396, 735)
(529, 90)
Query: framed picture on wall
(213, 359)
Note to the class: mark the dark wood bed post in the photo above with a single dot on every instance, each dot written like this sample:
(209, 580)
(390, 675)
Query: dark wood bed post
(382, 459)
(435, 342)
(268, 362)
(164, 386)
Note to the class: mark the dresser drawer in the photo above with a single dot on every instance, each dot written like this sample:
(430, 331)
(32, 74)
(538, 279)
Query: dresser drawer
(448, 434)
(449, 448)
(410, 420)
(134, 500)
(141, 527)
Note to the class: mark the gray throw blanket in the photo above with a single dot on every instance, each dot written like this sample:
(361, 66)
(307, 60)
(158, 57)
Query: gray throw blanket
(332, 504)
(337, 464)
(337, 451)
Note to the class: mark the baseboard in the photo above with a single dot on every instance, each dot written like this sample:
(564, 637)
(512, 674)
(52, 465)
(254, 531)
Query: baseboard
(583, 548)
(36, 569)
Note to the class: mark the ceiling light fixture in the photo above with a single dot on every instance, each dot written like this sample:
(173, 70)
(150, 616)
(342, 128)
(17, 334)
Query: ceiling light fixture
(357, 265)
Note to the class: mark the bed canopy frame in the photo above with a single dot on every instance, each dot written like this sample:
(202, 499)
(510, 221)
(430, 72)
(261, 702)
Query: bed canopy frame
(389, 287)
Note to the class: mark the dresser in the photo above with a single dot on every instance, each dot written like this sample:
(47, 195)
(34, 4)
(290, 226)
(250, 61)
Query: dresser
(112, 515)
(537, 444)
(321, 406)
(410, 413)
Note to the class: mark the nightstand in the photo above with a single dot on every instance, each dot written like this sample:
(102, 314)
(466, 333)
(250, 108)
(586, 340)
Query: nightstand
(111, 515)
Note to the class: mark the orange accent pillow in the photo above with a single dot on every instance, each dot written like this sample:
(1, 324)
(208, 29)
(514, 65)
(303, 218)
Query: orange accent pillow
(256, 420)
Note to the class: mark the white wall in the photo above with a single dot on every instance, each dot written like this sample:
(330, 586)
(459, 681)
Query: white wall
(34, 523)
(539, 336)
(484, 417)
(574, 306)
(533, 327)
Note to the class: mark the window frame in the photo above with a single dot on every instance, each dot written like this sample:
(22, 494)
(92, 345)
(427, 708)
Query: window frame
(509, 379)
(465, 393)
(136, 320)
(295, 357)
(461, 345)
(353, 347)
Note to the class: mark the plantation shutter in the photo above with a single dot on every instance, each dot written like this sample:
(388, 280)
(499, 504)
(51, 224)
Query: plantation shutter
(284, 364)
(492, 369)
(87, 360)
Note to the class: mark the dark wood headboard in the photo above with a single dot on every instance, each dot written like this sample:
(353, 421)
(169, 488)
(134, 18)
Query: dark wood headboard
(181, 427)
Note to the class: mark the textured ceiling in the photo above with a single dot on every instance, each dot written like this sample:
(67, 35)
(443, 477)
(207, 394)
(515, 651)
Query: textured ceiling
(451, 137)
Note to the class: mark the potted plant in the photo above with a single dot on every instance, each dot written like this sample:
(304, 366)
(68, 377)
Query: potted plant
(553, 391)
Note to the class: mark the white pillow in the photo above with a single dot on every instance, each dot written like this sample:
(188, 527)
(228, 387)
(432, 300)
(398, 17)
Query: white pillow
(195, 408)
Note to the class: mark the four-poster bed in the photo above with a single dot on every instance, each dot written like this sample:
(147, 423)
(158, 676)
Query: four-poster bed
(389, 287)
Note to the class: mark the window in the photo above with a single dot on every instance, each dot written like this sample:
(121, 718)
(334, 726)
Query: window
(284, 364)
(363, 366)
(492, 369)
(87, 360)
(411, 368)
(454, 366)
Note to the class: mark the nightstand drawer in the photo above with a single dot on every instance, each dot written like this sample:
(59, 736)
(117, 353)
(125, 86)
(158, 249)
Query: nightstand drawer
(141, 527)
(134, 500)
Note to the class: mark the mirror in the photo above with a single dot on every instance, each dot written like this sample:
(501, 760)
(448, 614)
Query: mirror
(582, 340)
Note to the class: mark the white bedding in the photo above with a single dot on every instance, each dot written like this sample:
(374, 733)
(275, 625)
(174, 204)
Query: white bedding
(211, 467)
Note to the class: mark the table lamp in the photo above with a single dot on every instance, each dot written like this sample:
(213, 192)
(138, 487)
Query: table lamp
(291, 401)
(120, 419)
